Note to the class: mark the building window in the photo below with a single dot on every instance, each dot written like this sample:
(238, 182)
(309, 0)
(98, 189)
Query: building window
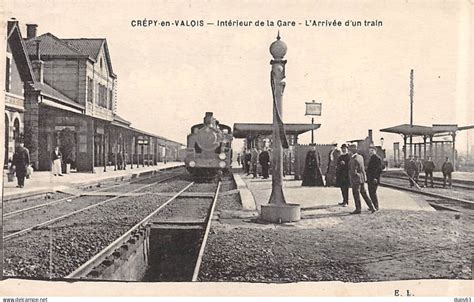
(111, 99)
(7, 75)
(103, 96)
(90, 90)
(101, 64)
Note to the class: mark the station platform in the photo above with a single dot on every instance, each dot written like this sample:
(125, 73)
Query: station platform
(406, 239)
(316, 199)
(44, 181)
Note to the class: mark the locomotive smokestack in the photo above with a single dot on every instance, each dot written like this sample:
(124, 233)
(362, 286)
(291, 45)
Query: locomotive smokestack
(208, 118)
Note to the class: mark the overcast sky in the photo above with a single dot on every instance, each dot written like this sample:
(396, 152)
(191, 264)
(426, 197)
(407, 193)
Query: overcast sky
(169, 76)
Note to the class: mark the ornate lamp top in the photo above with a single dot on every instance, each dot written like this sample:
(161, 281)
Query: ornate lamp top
(278, 48)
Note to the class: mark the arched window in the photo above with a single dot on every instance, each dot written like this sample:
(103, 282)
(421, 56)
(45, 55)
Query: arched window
(16, 129)
(7, 138)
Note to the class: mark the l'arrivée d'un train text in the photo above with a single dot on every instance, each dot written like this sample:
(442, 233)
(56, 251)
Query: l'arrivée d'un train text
(255, 23)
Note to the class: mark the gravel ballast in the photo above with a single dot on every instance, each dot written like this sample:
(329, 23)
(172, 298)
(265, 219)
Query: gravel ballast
(388, 245)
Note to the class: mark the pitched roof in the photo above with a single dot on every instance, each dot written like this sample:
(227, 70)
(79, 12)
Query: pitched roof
(242, 130)
(19, 53)
(418, 130)
(91, 47)
(50, 45)
(56, 95)
(406, 129)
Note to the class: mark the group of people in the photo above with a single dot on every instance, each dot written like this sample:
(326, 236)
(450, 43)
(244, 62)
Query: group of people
(414, 166)
(351, 173)
(250, 160)
(21, 163)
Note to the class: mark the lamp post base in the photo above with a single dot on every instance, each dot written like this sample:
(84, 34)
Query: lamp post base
(279, 213)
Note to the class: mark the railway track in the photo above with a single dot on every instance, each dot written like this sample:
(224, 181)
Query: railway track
(458, 199)
(437, 181)
(69, 197)
(26, 217)
(180, 210)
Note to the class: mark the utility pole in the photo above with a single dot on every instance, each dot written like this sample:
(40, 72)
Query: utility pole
(411, 110)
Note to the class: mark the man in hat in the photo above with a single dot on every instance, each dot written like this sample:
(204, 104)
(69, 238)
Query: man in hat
(358, 178)
(254, 161)
(411, 170)
(429, 167)
(418, 169)
(21, 161)
(264, 160)
(342, 174)
(447, 169)
(374, 170)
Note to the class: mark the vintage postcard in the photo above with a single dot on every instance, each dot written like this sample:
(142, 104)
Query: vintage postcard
(245, 148)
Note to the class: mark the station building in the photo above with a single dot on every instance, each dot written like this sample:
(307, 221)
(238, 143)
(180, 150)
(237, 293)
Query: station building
(62, 92)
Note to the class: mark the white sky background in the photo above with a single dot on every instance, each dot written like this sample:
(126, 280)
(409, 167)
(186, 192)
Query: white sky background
(168, 77)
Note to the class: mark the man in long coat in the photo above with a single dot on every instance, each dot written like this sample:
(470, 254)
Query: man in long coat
(447, 169)
(374, 170)
(21, 160)
(419, 168)
(264, 159)
(342, 174)
(247, 158)
(358, 178)
(411, 170)
(429, 167)
(254, 161)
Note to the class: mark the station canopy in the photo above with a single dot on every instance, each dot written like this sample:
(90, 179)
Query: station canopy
(417, 130)
(244, 130)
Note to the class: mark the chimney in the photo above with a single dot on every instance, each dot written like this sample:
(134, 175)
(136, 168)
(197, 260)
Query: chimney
(370, 136)
(11, 23)
(31, 30)
(38, 65)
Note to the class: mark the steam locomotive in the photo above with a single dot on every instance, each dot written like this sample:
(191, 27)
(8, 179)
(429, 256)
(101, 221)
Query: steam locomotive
(209, 148)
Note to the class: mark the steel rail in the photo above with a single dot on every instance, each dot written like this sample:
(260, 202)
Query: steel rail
(206, 235)
(18, 212)
(460, 185)
(85, 268)
(24, 231)
(427, 193)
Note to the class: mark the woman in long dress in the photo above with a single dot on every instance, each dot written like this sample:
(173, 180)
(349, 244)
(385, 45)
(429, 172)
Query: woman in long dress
(56, 165)
(312, 175)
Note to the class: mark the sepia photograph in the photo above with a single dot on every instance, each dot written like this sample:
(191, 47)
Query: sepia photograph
(238, 148)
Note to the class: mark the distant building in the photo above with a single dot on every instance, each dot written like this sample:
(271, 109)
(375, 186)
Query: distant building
(69, 100)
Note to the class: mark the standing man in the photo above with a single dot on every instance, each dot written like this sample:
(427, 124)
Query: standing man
(358, 178)
(264, 159)
(429, 168)
(419, 168)
(238, 159)
(374, 170)
(247, 158)
(254, 161)
(411, 169)
(447, 169)
(21, 160)
(342, 174)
